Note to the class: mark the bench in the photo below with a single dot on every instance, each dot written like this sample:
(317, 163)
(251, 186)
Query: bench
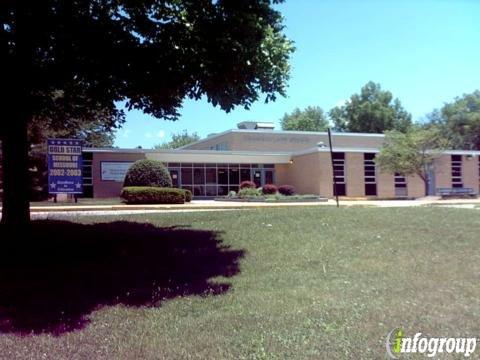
(456, 192)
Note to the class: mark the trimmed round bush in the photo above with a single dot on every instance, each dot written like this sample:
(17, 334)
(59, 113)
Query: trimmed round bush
(188, 195)
(287, 190)
(152, 195)
(147, 173)
(248, 192)
(247, 185)
(269, 189)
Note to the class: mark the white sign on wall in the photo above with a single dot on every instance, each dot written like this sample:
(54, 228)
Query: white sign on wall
(114, 171)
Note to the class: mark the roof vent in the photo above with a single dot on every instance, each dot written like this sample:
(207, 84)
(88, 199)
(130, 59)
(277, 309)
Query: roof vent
(254, 125)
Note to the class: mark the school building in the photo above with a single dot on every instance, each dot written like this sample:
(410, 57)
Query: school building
(255, 151)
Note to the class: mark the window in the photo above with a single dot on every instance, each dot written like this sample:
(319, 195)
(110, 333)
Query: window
(400, 185)
(457, 171)
(339, 173)
(369, 174)
(212, 179)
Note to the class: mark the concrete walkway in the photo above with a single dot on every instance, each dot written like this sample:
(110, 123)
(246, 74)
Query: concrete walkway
(197, 205)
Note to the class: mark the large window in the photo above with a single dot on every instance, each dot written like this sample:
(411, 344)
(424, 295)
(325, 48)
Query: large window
(457, 181)
(339, 174)
(369, 174)
(212, 180)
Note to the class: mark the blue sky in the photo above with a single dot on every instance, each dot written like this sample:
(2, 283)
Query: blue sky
(426, 52)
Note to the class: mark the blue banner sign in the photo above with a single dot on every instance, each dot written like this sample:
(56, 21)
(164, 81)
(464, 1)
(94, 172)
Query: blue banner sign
(65, 166)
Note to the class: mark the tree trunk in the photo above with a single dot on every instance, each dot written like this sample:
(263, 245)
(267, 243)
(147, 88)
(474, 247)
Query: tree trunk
(425, 181)
(15, 207)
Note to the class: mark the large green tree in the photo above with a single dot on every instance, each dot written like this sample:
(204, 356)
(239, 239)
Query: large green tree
(66, 60)
(412, 152)
(459, 121)
(372, 111)
(311, 118)
(179, 140)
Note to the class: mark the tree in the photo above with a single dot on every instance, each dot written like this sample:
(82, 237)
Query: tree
(372, 111)
(412, 152)
(459, 121)
(179, 140)
(310, 119)
(65, 61)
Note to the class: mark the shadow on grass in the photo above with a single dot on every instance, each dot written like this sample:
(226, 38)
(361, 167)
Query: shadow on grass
(54, 281)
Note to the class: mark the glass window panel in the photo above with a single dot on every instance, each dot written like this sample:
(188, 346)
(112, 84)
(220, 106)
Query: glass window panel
(187, 176)
(199, 190)
(212, 165)
(199, 165)
(268, 166)
(340, 190)
(186, 165)
(245, 166)
(222, 176)
(268, 177)
(233, 188)
(234, 176)
(173, 164)
(211, 176)
(222, 190)
(370, 189)
(199, 176)
(210, 191)
(233, 166)
(244, 174)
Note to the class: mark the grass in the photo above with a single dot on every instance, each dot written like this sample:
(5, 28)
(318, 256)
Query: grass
(303, 283)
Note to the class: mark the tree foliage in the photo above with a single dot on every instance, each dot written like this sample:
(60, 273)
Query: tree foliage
(372, 111)
(179, 140)
(459, 121)
(310, 119)
(66, 61)
(412, 152)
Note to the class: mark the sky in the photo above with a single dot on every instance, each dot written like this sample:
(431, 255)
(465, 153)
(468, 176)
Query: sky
(426, 52)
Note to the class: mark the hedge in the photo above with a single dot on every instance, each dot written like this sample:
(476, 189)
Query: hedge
(247, 185)
(188, 195)
(152, 195)
(269, 189)
(147, 173)
(287, 190)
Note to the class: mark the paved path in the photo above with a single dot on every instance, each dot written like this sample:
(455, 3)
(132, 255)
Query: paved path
(211, 205)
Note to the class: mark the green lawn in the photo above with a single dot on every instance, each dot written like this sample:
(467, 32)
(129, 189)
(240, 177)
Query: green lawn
(303, 283)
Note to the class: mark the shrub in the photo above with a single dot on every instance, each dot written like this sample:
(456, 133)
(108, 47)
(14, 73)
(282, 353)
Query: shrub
(269, 189)
(147, 173)
(287, 190)
(247, 185)
(152, 195)
(188, 195)
(248, 192)
(232, 194)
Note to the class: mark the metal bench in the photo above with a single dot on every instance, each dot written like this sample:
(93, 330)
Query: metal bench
(456, 192)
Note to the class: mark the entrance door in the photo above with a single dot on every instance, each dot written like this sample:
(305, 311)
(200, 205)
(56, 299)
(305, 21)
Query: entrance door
(268, 177)
(174, 174)
(257, 177)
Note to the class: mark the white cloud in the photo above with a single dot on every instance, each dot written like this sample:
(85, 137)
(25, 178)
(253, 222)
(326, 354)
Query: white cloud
(161, 134)
(341, 102)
